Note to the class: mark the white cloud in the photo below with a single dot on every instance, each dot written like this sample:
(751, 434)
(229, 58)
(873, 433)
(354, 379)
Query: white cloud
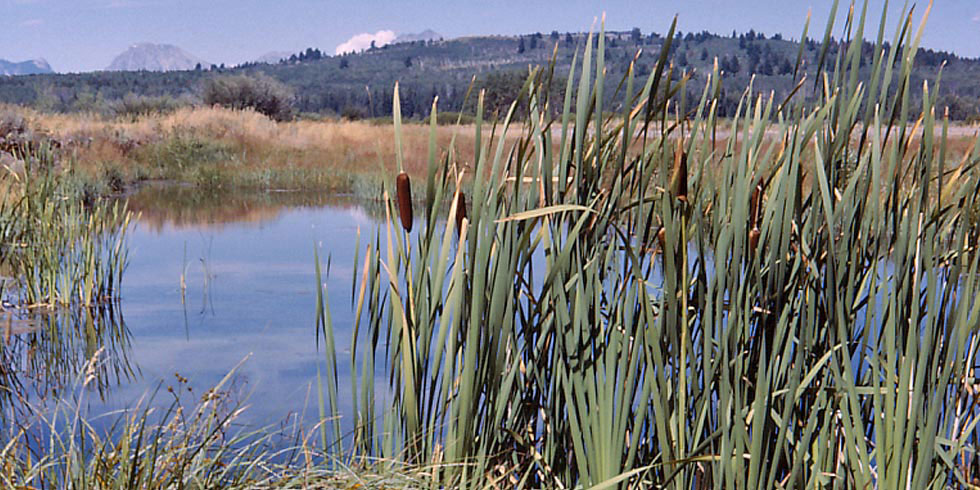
(32, 23)
(362, 41)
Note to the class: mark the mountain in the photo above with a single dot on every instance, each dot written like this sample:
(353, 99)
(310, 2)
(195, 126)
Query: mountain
(155, 57)
(426, 35)
(29, 67)
(273, 57)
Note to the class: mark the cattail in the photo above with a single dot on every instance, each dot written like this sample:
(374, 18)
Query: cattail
(662, 238)
(678, 178)
(754, 234)
(404, 188)
(460, 212)
(755, 209)
(755, 205)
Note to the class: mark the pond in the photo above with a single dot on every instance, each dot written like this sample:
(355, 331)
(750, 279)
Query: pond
(215, 279)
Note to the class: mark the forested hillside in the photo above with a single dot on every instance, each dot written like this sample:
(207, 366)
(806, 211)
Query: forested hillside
(360, 85)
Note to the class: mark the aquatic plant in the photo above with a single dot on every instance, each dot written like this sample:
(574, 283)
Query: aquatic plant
(154, 444)
(59, 249)
(818, 329)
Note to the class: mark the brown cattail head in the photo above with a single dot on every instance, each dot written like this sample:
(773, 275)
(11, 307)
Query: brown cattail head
(678, 178)
(404, 196)
(460, 212)
(754, 234)
(662, 238)
(755, 205)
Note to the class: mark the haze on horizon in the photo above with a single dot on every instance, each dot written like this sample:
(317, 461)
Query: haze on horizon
(85, 35)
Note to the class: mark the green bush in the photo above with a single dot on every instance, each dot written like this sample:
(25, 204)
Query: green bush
(262, 93)
(133, 106)
(180, 155)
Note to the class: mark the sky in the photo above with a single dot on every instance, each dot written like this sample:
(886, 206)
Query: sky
(85, 35)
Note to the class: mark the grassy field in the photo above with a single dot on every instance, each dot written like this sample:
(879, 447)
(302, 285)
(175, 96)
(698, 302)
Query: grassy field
(221, 148)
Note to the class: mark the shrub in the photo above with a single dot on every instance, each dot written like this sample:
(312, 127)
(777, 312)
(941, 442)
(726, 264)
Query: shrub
(351, 113)
(262, 93)
(133, 106)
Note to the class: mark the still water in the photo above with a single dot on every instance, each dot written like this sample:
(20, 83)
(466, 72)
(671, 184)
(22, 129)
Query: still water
(217, 279)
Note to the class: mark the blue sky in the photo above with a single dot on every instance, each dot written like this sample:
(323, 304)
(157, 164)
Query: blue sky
(83, 35)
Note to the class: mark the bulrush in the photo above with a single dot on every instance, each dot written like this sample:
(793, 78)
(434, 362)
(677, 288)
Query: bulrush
(678, 178)
(404, 196)
(460, 212)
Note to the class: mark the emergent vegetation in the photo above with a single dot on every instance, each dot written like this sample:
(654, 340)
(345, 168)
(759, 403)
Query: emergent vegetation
(794, 308)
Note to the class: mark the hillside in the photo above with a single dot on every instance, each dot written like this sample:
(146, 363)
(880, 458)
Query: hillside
(360, 85)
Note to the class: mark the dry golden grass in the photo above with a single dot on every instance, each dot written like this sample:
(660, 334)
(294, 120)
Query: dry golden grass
(308, 154)
(257, 142)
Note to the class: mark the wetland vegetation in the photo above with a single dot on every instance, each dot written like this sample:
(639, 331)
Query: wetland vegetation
(587, 297)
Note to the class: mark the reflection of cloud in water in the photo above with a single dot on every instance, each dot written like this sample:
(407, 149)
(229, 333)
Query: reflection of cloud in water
(276, 377)
(258, 279)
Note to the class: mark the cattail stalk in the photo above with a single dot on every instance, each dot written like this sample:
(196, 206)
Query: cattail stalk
(678, 178)
(755, 209)
(460, 212)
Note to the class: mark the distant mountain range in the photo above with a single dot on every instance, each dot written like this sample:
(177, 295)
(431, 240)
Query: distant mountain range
(426, 35)
(273, 57)
(155, 57)
(29, 67)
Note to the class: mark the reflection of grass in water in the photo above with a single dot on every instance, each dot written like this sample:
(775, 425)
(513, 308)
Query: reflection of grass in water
(64, 255)
(52, 346)
(173, 437)
(187, 206)
(207, 301)
(154, 444)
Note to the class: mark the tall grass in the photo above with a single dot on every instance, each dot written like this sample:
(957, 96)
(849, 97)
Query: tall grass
(62, 261)
(60, 250)
(594, 322)
(153, 444)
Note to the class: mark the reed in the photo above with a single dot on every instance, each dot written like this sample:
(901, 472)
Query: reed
(60, 250)
(829, 343)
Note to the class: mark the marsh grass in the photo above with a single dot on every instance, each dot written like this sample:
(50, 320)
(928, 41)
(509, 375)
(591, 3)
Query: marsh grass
(216, 147)
(60, 250)
(822, 333)
(170, 438)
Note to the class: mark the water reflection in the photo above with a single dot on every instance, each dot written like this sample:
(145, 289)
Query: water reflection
(44, 352)
(182, 206)
(212, 278)
(215, 277)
